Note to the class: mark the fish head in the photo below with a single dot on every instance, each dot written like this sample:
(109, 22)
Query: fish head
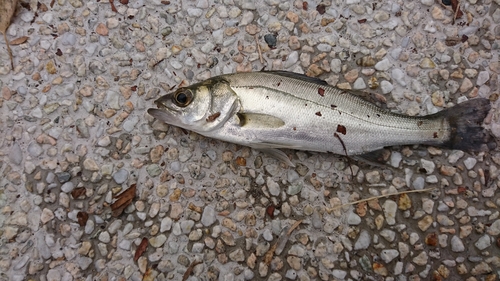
(201, 107)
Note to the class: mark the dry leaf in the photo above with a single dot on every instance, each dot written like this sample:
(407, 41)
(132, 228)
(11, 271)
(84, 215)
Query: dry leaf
(113, 8)
(82, 217)
(141, 248)
(77, 192)
(19, 41)
(123, 200)
(7, 10)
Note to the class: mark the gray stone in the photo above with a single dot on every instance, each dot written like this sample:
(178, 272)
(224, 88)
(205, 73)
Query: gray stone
(121, 176)
(363, 241)
(208, 217)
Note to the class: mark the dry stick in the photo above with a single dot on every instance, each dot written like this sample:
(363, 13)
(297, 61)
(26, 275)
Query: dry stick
(294, 226)
(456, 12)
(9, 50)
(345, 150)
(258, 48)
(189, 270)
(382, 196)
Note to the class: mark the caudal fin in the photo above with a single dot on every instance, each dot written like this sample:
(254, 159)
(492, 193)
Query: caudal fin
(466, 121)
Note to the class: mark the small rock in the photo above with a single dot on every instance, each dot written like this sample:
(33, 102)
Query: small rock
(456, 244)
(158, 241)
(390, 207)
(121, 176)
(363, 241)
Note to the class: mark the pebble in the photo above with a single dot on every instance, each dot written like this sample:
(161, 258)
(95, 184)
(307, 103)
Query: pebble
(47, 215)
(386, 87)
(456, 244)
(383, 65)
(104, 237)
(483, 242)
(359, 84)
(121, 176)
(158, 241)
(353, 219)
(390, 207)
(363, 241)
(15, 154)
(388, 255)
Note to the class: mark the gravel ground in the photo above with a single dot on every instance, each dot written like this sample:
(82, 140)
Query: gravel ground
(73, 113)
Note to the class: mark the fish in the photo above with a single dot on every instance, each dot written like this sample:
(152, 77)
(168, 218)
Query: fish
(273, 110)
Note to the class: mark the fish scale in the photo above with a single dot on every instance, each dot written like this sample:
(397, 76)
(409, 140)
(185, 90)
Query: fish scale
(301, 100)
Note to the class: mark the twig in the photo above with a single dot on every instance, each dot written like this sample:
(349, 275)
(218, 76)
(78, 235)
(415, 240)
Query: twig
(189, 270)
(258, 48)
(294, 226)
(345, 151)
(457, 9)
(382, 196)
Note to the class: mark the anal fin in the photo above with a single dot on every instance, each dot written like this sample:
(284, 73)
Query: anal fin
(376, 158)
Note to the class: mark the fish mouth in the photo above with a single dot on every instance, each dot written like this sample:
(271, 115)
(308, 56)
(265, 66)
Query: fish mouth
(164, 115)
(163, 112)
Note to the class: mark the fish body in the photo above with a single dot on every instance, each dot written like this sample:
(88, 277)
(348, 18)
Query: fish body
(270, 110)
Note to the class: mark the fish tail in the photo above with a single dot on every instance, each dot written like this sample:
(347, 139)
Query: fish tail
(466, 132)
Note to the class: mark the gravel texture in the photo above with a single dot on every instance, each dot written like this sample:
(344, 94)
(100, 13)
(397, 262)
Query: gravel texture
(76, 135)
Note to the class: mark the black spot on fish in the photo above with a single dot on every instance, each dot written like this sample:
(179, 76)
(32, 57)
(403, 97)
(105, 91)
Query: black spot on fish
(212, 117)
(368, 116)
(341, 129)
(318, 113)
(435, 135)
(321, 92)
(419, 123)
(333, 106)
(294, 128)
(378, 115)
(267, 97)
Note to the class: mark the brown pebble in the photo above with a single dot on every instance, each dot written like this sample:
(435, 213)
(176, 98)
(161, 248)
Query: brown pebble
(293, 17)
(51, 68)
(101, 29)
(314, 70)
(294, 43)
(252, 29)
(6, 93)
(240, 161)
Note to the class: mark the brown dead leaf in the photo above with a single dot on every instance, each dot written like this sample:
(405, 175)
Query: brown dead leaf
(268, 257)
(19, 41)
(113, 8)
(82, 217)
(452, 41)
(123, 200)
(141, 248)
(455, 6)
(77, 192)
(7, 10)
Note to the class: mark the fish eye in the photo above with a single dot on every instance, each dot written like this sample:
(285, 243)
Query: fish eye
(183, 98)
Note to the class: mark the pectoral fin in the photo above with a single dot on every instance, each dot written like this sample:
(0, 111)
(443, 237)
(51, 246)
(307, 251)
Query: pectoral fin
(259, 121)
(278, 154)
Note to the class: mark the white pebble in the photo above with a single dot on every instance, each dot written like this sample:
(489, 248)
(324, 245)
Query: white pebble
(398, 75)
(386, 86)
(383, 65)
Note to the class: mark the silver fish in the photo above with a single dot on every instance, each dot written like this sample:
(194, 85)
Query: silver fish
(277, 109)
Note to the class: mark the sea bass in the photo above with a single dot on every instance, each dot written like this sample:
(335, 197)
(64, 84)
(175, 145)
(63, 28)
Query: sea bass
(276, 109)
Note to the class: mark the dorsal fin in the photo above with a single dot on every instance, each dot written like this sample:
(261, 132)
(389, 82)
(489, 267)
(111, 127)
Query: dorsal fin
(298, 76)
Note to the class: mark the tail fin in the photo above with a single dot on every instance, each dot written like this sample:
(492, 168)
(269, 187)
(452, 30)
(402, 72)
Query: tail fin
(465, 120)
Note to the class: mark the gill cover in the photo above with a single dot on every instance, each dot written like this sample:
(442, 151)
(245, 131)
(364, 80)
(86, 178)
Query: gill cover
(201, 107)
